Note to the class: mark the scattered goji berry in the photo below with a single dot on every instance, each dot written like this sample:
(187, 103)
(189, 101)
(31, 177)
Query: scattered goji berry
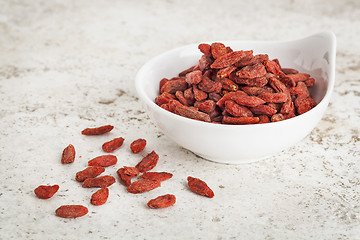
(100, 182)
(200, 187)
(97, 130)
(143, 185)
(89, 172)
(132, 171)
(157, 176)
(112, 145)
(125, 179)
(162, 201)
(103, 161)
(68, 155)
(71, 211)
(138, 145)
(148, 162)
(45, 192)
(100, 196)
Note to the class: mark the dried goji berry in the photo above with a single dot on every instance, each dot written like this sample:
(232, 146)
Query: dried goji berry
(190, 112)
(252, 71)
(164, 98)
(207, 106)
(230, 96)
(218, 50)
(236, 110)
(264, 110)
(157, 176)
(298, 76)
(45, 192)
(273, 67)
(208, 86)
(198, 94)
(143, 185)
(68, 155)
(205, 49)
(148, 162)
(112, 145)
(240, 120)
(289, 70)
(162, 201)
(100, 182)
(97, 130)
(173, 85)
(229, 85)
(225, 72)
(71, 211)
(264, 119)
(89, 172)
(103, 161)
(100, 196)
(132, 171)
(230, 58)
(200, 187)
(253, 82)
(124, 178)
(162, 82)
(273, 97)
(138, 145)
(180, 96)
(193, 77)
(304, 104)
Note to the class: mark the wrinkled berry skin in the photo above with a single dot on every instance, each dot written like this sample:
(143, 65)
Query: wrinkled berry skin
(97, 131)
(148, 162)
(71, 211)
(100, 197)
(138, 145)
(112, 145)
(162, 201)
(68, 155)
(89, 172)
(200, 187)
(143, 185)
(46, 192)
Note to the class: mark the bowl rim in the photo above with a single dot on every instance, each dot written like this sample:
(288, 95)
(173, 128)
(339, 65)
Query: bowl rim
(324, 101)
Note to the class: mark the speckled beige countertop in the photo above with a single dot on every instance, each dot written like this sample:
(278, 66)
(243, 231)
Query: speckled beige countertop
(68, 65)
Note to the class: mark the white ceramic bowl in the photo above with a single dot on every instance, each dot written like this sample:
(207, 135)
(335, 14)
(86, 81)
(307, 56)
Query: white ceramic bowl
(242, 143)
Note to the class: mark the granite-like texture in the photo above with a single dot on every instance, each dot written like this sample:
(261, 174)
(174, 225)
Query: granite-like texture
(68, 65)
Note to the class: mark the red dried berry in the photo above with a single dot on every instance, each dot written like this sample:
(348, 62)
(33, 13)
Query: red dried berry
(143, 185)
(148, 162)
(156, 176)
(125, 179)
(100, 182)
(200, 187)
(90, 172)
(46, 192)
(103, 161)
(97, 130)
(71, 211)
(162, 201)
(132, 171)
(112, 145)
(138, 145)
(100, 196)
(68, 155)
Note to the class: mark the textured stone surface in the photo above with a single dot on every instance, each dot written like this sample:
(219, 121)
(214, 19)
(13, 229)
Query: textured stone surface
(68, 65)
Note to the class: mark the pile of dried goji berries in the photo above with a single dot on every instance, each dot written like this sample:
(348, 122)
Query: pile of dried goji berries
(90, 176)
(236, 87)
